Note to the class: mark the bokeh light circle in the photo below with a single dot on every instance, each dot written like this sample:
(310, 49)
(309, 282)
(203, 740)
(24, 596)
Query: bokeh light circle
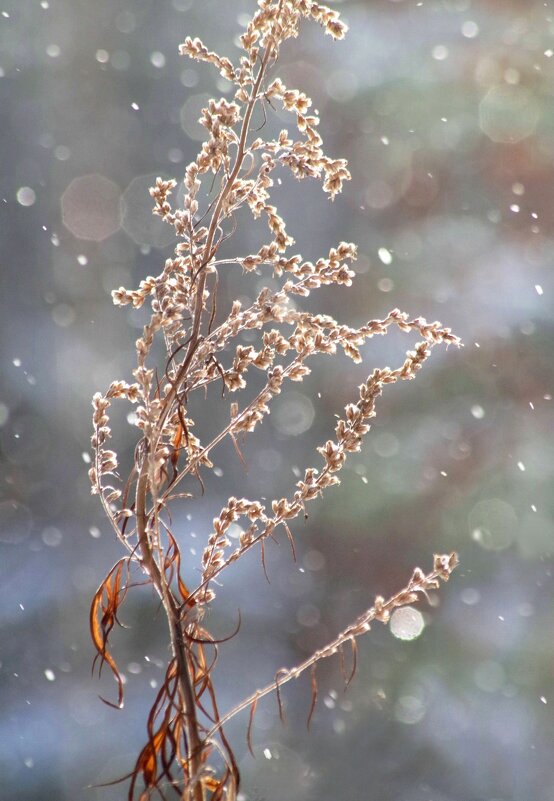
(90, 207)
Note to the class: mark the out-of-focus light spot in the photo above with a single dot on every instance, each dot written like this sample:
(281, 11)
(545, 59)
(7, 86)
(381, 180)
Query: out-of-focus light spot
(85, 457)
(518, 188)
(385, 255)
(26, 196)
(50, 675)
(406, 623)
(91, 207)
(342, 85)
(267, 753)
(470, 596)
(409, 709)
(478, 412)
(521, 466)
(94, 532)
(526, 609)
(470, 29)
(175, 155)
(189, 78)
(386, 445)
(493, 524)
(538, 289)
(190, 114)
(379, 195)
(82, 259)
(135, 106)
(440, 52)
(62, 153)
(549, 53)
(314, 560)
(385, 285)
(294, 414)
(157, 59)
(53, 50)
(63, 315)
(44, 4)
(543, 699)
(102, 56)
(308, 615)
(512, 76)
(489, 676)
(51, 536)
(508, 114)
(515, 208)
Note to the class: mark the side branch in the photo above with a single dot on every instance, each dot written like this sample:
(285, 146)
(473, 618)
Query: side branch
(419, 584)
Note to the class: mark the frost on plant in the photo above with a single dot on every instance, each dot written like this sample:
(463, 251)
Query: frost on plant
(186, 753)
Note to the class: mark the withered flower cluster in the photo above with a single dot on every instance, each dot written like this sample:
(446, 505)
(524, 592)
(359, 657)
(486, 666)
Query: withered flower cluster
(187, 753)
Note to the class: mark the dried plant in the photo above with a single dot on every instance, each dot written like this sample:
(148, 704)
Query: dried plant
(186, 751)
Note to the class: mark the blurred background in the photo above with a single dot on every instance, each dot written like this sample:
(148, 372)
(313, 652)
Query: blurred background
(444, 109)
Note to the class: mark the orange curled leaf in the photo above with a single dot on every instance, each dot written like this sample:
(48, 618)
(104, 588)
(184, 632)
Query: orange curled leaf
(210, 783)
(176, 441)
(103, 616)
(147, 762)
(173, 558)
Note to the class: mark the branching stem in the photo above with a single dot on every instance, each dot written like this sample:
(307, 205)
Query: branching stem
(178, 644)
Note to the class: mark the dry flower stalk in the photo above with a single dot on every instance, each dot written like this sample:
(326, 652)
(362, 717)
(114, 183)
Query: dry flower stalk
(187, 752)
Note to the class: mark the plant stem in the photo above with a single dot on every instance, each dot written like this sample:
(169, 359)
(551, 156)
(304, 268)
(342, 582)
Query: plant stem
(178, 645)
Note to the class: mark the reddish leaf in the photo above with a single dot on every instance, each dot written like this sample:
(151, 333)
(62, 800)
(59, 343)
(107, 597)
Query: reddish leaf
(103, 616)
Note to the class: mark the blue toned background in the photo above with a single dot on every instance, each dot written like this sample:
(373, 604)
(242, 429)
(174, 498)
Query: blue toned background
(444, 109)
